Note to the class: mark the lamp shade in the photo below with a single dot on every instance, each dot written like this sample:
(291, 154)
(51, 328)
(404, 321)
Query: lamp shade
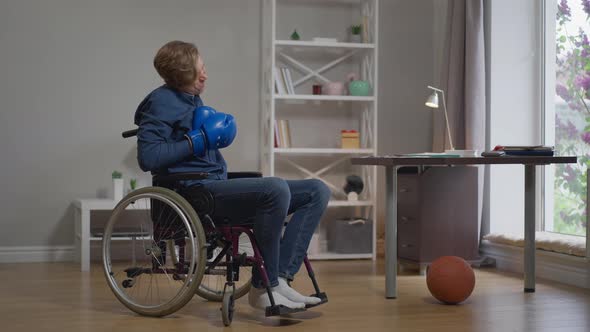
(432, 101)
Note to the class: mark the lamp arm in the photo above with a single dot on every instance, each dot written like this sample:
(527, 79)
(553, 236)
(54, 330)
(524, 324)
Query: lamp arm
(447, 119)
(435, 89)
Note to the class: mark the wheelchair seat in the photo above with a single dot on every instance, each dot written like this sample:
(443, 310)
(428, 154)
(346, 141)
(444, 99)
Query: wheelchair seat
(198, 196)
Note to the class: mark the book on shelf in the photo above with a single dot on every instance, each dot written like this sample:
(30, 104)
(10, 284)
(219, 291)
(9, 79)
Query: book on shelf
(365, 27)
(276, 134)
(279, 84)
(288, 80)
(286, 133)
(283, 81)
(282, 134)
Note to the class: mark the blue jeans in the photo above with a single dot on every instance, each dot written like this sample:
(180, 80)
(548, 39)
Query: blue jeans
(267, 202)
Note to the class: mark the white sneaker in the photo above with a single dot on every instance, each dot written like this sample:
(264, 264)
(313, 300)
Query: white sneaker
(258, 298)
(284, 289)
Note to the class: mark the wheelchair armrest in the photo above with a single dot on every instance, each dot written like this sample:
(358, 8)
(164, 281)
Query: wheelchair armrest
(129, 133)
(238, 175)
(168, 179)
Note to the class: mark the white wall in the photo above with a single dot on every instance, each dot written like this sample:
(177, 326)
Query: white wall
(72, 73)
(514, 103)
(406, 67)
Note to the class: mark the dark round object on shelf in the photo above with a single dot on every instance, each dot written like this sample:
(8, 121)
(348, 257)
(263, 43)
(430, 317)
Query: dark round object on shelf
(354, 183)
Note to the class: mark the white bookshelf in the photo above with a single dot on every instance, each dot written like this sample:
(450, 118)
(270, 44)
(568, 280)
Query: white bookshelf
(321, 62)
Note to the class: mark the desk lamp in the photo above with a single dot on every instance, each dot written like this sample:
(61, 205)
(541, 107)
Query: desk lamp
(432, 102)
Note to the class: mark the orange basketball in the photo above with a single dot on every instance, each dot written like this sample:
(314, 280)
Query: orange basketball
(450, 279)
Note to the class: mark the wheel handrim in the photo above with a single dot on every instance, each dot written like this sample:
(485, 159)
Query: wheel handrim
(164, 272)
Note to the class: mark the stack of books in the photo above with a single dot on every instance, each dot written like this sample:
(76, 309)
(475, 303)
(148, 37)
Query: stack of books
(526, 150)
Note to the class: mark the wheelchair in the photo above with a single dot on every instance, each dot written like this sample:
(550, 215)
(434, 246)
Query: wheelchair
(178, 250)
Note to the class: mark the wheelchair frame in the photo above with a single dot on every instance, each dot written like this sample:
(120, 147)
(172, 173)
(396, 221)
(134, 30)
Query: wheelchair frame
(196, 213)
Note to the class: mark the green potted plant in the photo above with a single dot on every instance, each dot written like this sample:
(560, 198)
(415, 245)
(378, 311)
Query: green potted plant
(355, 33)
(117, 185)
(133, 184)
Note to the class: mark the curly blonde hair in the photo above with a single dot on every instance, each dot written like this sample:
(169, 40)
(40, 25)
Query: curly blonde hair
(176, 63)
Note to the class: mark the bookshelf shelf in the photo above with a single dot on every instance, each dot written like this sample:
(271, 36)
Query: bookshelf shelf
(331, 255)
(327, 151)
(324, 98)
(123, 238)
(335, 203)
(297, 125)
(294, 44)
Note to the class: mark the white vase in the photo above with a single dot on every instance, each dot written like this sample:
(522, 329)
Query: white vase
(355, 38)
(117, 189)
(352, 196)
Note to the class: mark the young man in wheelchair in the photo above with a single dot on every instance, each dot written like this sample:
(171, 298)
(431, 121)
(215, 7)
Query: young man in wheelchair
(177, 133)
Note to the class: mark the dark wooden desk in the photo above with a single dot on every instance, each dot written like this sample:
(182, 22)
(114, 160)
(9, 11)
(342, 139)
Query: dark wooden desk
(391, 164)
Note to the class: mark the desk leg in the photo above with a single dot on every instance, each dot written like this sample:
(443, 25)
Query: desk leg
(78, 235)
(391, 233)
(529, 228)
(85, 240)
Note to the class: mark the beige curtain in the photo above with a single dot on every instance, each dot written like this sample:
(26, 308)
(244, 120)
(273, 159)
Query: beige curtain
(463, 78)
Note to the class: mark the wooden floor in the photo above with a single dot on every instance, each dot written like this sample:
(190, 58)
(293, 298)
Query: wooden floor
(57, 297)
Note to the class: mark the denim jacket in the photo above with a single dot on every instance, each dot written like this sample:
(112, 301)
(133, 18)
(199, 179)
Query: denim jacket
(163, 117)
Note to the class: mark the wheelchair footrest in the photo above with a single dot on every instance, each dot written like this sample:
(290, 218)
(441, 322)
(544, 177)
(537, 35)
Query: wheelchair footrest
(133, 272)
(280, 310)
(323, 297)
(217, 272)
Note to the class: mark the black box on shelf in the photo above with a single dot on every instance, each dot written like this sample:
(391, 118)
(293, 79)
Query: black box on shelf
(350, 236)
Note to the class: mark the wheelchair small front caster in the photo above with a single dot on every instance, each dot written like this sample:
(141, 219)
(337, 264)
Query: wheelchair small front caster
(227, 307)
(128, 283)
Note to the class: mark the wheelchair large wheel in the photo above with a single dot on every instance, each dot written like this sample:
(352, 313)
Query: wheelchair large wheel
(211, 287)
(140, 271)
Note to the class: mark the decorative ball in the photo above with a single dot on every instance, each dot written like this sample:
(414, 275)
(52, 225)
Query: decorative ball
(450, 279)
(354, 183)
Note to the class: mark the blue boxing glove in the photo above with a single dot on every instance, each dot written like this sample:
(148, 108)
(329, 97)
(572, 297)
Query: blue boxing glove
(200, 114)
(218, 131)
(196, 138)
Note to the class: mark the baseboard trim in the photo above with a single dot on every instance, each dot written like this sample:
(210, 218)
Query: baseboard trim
(567, 269)
(32, 254)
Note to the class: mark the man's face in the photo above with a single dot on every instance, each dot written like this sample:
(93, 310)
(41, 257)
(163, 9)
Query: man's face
(199, 85)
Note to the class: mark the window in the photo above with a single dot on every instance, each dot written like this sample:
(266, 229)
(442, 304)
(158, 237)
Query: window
(567, 112)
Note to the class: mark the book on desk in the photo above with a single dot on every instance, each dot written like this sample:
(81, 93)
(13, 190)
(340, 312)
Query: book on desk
(526, 150)
(428, 155)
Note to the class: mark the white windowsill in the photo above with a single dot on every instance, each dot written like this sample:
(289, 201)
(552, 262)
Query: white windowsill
(567, 269)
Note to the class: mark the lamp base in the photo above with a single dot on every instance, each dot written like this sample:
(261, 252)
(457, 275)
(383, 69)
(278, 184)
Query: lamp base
(463, 153)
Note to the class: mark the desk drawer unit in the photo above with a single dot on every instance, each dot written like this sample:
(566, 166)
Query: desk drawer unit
(408, 222)
(437, 213)
(407, 191)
